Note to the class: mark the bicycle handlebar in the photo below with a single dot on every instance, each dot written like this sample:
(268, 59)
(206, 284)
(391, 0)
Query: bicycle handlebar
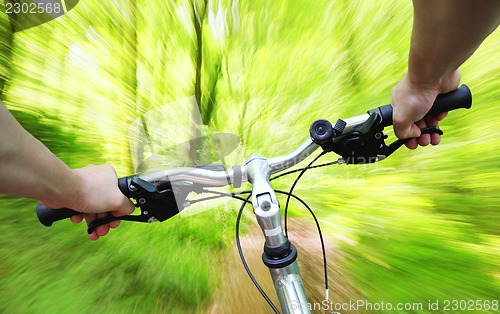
(382, 116)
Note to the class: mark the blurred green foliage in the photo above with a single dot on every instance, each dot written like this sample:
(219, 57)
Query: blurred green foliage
(422, 225)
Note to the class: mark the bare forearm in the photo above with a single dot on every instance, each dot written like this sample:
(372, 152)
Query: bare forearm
(29, 169)
(446, 33)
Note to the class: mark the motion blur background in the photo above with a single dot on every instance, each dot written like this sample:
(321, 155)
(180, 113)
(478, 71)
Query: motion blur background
(422, 225)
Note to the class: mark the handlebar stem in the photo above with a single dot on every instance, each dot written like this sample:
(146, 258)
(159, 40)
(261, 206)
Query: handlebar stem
(285, 272)
(264, 201)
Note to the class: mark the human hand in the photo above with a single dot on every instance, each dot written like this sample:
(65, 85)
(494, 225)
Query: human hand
(97, 196)
(412, 101)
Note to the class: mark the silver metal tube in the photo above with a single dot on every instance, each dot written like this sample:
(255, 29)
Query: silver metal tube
(223, 178)
(195, 175)
(281, 163)
(290, 289)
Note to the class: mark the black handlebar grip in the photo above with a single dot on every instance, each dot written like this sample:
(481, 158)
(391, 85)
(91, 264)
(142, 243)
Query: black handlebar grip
(48, 215)
(459, 98)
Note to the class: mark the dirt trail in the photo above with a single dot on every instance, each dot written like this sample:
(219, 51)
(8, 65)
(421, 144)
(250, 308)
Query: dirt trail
(239, 295)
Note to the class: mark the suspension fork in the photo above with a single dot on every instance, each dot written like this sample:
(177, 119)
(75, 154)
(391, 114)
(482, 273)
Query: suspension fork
(280, 256)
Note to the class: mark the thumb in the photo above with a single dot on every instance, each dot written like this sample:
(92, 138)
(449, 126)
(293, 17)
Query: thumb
(126, 208)
(406, 130)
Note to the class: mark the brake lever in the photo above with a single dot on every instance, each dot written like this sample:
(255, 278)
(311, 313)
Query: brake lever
(110, 218)
(388, 150)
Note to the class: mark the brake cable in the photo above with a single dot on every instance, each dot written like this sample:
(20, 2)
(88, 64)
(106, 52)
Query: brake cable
(310, 211)
(325, 270)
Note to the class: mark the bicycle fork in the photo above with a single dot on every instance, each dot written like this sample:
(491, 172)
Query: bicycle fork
(280, 256)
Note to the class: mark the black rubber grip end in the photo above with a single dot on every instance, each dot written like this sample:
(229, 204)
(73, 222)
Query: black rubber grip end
(48, 215)
(459, 98)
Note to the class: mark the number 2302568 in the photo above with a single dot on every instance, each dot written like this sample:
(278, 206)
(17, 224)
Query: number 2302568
(33, 8)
